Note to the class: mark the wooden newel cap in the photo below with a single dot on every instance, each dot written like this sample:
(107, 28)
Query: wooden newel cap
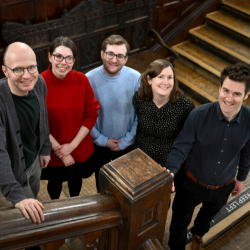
(142, 188)
(134, 174)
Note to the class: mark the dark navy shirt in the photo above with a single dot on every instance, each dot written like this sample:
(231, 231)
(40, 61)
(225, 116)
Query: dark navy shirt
(212, 146)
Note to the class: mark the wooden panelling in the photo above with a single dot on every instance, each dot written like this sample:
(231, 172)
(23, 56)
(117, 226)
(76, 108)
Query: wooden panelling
(167, 16)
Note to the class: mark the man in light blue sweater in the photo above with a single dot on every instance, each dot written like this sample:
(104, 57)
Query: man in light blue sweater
(114, 86)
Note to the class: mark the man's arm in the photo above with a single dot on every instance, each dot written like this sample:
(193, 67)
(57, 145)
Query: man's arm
(98, 138)
(243, 170)
(46, 146)
(182, 144)
(239, 185)
(129, 138)
(12, 189)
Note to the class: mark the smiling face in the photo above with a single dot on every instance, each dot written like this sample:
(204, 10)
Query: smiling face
(231, 96)
(61, 69)
(112, 67)
(20, 55)
(162, 84)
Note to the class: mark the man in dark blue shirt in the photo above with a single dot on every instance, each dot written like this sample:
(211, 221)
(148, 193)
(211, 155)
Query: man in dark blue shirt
(214, 141)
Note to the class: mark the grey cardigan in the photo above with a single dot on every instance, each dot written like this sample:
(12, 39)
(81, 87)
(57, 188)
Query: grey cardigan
(12, 164)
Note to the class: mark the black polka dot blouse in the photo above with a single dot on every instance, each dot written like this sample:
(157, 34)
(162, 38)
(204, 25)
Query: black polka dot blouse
(158, 127)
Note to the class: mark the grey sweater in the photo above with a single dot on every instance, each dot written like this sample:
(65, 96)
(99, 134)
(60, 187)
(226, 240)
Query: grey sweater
(12, 163)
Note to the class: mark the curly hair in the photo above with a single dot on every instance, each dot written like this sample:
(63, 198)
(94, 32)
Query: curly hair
(238, 72)
(154, 69)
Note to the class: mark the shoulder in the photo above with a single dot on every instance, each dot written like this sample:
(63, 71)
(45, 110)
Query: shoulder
(131, 72)
(208, 109)
(246, 112)
(40, 84)
(245, 109)
(139, 103)
(136, 98)
(3, 83)
(79, 76)
(186, 102)
(93, 72)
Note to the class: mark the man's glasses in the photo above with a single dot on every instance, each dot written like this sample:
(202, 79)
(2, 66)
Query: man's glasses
(59, 58)
(119, 57)
(20, 71)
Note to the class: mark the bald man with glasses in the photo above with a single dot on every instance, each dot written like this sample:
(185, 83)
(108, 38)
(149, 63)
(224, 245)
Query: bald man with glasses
(24, 130)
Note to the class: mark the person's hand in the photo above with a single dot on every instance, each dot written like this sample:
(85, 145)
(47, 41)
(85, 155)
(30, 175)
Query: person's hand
(63, 150)
(173, 187)
(238, 186)
(44, 161)
(68, 160)
(115, 148)
(112, 144)
(31, 208)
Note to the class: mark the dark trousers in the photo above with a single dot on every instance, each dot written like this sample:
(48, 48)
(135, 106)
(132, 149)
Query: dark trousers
(187, 197)
(104, 155)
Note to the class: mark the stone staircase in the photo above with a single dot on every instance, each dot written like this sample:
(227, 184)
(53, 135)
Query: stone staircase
(224, 39)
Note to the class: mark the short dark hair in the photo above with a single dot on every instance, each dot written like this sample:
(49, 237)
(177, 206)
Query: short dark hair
(63, 41)
(238, 72)
(154, 69)
(115, 40)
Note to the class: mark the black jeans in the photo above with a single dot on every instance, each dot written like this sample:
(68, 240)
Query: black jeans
(105, 155)
(187, 197)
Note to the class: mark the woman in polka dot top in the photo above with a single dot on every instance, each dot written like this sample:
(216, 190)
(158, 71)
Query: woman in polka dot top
(162, 109)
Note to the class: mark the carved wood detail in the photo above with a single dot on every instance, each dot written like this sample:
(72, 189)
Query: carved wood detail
(139, 182)
(89, 23)
(48, 19)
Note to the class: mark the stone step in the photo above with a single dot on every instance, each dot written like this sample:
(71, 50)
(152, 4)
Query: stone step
(227, 48)
(229, 25)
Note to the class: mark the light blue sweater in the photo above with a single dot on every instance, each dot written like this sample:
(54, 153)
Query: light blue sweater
(117, 118)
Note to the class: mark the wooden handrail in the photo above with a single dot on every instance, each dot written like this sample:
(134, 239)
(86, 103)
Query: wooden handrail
(63, 219)
(132, 209)
(173, 54)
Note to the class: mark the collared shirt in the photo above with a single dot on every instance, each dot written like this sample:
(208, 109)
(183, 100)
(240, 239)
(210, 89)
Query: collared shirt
(212, 146)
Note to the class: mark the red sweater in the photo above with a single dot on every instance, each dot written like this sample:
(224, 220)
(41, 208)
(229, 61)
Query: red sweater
(70, 103)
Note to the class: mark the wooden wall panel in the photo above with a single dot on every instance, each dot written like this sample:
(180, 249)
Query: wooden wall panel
(17, 12)
(170, 13)
(167, 16)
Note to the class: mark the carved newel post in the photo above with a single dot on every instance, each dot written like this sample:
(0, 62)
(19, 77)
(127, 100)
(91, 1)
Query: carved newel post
(143, 189)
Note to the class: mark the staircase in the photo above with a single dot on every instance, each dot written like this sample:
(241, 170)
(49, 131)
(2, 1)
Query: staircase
(223, 40)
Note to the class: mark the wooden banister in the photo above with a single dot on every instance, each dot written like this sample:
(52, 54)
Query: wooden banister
(155, 35)
(130, 213)
(63, 219)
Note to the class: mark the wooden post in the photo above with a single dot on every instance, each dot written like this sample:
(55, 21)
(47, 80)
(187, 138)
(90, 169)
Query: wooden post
(143, 189)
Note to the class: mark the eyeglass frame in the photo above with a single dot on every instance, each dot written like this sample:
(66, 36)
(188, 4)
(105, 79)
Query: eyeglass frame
(64, 58)
(22, 69)
(115, 56)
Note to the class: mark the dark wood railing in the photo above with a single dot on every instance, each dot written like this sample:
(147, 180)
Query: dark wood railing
(130, 213)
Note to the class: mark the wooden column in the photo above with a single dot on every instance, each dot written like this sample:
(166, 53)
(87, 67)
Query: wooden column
(143, 189)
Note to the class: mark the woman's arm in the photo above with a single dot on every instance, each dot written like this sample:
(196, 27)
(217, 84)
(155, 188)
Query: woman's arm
(67, 160)
(66, 149)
